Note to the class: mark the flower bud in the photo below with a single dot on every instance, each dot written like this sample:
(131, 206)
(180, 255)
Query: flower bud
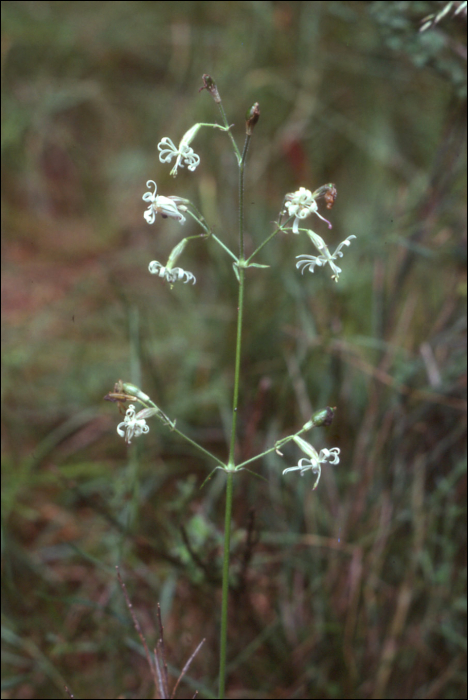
(210, 85)
(322, 418)
(253, 115)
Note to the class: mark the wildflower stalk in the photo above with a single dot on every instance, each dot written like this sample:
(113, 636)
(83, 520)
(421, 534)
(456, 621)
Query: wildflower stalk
(296, 206)
(226, 124)
(231, 459)
(210, 85)
(225, 585)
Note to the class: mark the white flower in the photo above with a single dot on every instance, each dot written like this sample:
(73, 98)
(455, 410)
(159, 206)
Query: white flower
(166, 206)
(301, 204)
(184, 154)
(310, 261)
(171, 274)
(315, 459)
(132, 426)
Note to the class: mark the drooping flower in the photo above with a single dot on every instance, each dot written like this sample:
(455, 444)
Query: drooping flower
(184, 154)
(132, 425)
(172, 275)
(166, 206)
(302, 204)
(308, 262)
(315, 459)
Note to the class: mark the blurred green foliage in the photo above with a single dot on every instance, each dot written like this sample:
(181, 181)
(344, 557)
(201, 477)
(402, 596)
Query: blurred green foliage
(355, 590)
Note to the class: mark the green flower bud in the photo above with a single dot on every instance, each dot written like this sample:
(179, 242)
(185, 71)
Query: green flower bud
(322, 418)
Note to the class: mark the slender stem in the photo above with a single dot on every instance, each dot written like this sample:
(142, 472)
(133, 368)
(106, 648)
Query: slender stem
(241, 197)
(186, 437)
(275, 447)
(199, 447)
(280, 227)
(224, 603)
(224, 246)
(200, 220)
(240, 307)
(231, 459)
(235, 398)
(262, 245)
(226, 123)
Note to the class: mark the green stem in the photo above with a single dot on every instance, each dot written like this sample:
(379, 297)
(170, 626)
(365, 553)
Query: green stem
(275, 447)
(262, 245)
(272, 235)
(186, 437)
(240, 308)
(199, 447)
(224, 247)
(241, 198)
(226, 124)
(231, 459)
(200, 220)
(235, 399)
(224, 603)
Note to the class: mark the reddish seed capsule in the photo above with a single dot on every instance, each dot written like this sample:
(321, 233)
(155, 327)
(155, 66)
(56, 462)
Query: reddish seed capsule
(330, 196)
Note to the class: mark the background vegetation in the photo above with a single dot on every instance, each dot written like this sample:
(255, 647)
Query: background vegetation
(355, 590)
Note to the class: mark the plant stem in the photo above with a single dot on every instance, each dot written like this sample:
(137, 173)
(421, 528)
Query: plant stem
(276, 446)
(235, 400)
(224, 247)
(226, 124)
(199, 447)
(231, 459)
(262, 245)
(225, 590)
(187, 438)
(241, 198)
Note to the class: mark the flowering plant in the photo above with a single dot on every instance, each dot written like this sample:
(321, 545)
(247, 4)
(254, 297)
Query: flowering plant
(296, 207)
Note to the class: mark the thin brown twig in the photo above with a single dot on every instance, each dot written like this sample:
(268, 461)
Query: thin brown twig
(137, 625)
(159, 668)
(186, 667)
(159, 663)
